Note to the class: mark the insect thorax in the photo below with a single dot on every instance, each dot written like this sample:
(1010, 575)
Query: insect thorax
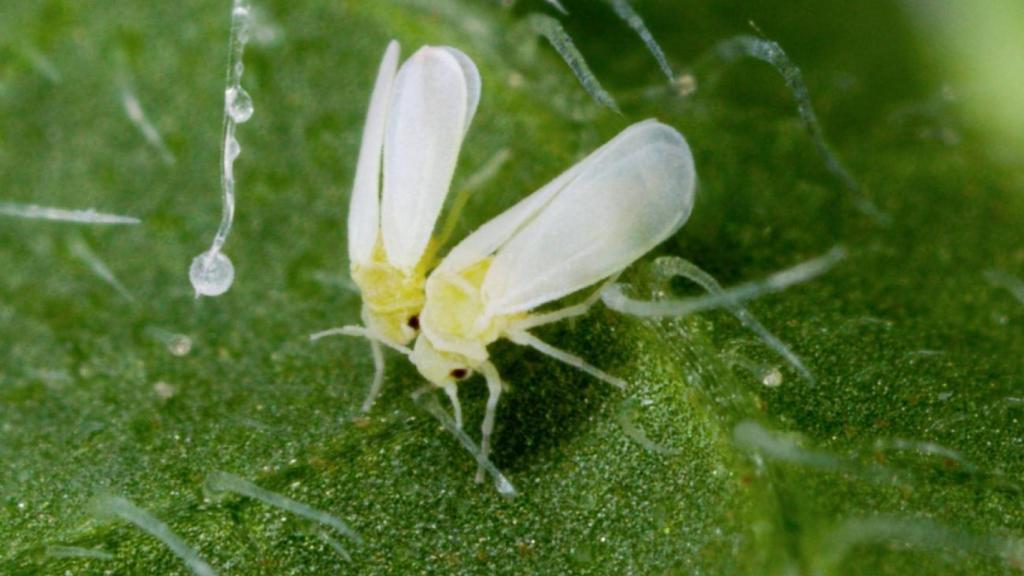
(454, 318)
(392, 299)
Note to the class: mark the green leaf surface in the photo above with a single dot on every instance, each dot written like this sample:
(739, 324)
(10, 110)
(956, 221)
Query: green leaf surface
(905, 457)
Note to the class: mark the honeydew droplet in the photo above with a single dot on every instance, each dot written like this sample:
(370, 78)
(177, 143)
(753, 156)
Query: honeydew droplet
(211, 274)
(239, 104)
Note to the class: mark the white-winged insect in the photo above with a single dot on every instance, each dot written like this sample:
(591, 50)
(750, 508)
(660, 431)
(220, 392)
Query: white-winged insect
(586, 226)
(414, 129)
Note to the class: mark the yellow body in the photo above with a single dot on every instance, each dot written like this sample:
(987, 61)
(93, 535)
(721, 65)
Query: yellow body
(455, 329)
(392, 299)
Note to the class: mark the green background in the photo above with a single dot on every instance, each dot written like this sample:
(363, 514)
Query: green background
(905, 457)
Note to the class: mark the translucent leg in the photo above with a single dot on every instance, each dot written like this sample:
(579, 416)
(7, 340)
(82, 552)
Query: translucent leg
(573, 311)
(429, 402)
(453, 394)
(359, 332)
(378, 375)
(376, 349)
(526, 339)
(494, 386)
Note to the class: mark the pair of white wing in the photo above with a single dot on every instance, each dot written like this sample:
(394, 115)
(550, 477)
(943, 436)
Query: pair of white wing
(594, 220)
(417, 119)
(589, 223)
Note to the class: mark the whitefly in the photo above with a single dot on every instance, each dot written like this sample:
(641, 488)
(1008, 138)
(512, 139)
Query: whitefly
(417, 119)
(583, 228)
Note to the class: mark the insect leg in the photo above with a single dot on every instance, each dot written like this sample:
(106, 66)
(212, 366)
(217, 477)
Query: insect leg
(524, 338)
(453, 394)
(494, 386)
(378, 375)
(360, 332)
(430, 404)
(376, 349)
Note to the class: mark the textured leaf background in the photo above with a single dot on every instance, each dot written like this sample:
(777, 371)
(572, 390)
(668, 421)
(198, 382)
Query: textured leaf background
(905, 457)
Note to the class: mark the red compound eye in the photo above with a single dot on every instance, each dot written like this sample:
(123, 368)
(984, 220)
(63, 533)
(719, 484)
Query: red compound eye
(414, 322)
(459, 373)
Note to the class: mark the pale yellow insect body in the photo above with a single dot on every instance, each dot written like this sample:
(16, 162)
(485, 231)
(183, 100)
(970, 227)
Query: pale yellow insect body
(392, 298)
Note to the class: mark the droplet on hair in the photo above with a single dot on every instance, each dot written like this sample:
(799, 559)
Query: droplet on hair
(238, 103)
(211, 274)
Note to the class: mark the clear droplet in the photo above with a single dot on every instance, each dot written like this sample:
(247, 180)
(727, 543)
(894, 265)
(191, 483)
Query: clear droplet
(239, 104)
(211, 275)
(241, 18)
(234, 149)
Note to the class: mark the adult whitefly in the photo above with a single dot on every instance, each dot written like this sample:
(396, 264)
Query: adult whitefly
(418, 115)
(587, 225)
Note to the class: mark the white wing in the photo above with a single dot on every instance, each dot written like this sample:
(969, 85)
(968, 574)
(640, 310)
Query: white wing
(364, 209)
(434, 98)
(473, 83)
(488, 238)
(637, 193)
